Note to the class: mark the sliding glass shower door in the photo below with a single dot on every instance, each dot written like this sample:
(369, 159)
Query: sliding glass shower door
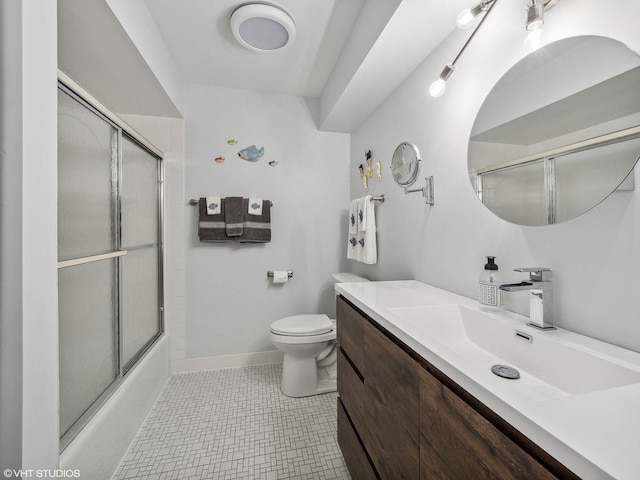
(139, 227)
(109, 256)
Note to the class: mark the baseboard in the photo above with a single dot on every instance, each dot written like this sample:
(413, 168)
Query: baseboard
(225, 361)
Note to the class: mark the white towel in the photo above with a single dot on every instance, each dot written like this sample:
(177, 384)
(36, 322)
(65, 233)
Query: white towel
(353, 217)
(361, 246)
(369, 248)
(353, 249)
(213, 205)
(255, 206)
(364, 204)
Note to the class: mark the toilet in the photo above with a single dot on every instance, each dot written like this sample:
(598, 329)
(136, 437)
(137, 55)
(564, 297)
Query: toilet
(310, 349)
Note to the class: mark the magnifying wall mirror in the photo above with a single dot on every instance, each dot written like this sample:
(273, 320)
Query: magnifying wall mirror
(405, 164)
(559, 132)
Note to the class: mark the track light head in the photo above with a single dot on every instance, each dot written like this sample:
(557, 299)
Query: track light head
(466, 17)
(437, 88)
(535, 16)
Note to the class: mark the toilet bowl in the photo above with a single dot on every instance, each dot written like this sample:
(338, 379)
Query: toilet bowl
(310, 350)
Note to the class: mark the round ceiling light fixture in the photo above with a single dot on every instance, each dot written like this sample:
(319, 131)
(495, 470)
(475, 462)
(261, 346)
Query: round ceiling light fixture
(262, 27)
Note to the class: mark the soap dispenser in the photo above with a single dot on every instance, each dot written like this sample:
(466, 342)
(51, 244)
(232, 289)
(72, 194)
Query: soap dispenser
(489, 293)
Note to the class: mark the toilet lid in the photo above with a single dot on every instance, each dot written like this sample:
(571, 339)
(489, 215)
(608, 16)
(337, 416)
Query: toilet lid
(302, 325)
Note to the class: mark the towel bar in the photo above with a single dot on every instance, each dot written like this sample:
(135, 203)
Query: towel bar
(378, 198)
(270, 273)
(193, 202)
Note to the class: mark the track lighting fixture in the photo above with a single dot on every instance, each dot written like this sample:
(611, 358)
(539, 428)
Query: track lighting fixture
(466, 17)
(535, 19)
(438, 87)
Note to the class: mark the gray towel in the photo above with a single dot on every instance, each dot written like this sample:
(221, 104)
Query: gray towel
(211, 228)
(257, 228)
(233, 216)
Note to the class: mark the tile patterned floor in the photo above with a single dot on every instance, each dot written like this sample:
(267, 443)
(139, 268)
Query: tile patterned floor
(235, 424)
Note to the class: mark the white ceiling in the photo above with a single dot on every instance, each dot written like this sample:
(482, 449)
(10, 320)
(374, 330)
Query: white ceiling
(199, 39)
(349, 55)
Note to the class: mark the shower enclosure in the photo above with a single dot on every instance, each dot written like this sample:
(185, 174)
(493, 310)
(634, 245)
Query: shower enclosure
(110, 298)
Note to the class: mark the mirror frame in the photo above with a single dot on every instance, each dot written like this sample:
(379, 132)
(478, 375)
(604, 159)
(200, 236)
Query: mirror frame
(398, 160)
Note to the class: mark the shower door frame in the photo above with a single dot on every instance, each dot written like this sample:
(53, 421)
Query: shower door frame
(68, 86)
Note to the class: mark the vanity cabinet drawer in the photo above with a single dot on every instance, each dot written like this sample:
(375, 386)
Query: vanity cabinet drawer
(350, 333)
(457, 442)
(352, 449)
(391, 407)
(351, 391)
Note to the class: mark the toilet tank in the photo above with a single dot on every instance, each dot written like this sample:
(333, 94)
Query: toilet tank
(348, 278)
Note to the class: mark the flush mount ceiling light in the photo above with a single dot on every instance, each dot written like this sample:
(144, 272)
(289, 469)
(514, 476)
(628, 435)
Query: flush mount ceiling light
(535, 19)
(262, 27)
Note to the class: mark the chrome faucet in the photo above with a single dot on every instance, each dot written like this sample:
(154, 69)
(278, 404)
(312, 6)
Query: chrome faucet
(540, 280)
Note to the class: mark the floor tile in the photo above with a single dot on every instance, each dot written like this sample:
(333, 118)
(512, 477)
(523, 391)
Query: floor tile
(235, 424)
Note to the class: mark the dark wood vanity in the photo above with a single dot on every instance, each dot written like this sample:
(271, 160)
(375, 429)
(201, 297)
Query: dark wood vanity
(401, 418)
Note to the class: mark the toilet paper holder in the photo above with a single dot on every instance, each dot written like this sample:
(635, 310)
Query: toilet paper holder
(270, 273)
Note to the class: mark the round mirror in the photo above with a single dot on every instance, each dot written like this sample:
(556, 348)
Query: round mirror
(405, 164)
(559, 132)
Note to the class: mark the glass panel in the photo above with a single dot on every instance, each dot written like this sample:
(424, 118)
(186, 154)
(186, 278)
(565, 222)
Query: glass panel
(85, 196)
(88, 336)
(139, 196)
(95, 298)
(584, 179)
(140, 305)
(517, 194)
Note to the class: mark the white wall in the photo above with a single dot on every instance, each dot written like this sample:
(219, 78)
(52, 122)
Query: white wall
(594, 258)
(39, 221)
(11, 235)
(229, 300)
(28, 291)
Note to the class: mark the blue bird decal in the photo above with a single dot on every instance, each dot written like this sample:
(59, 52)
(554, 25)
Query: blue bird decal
(353, 220)
(361, 242)
(353, 242)
(360, 214)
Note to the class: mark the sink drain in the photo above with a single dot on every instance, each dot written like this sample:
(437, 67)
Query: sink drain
(506, 371)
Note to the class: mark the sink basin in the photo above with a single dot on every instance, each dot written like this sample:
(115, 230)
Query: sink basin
(549, 366)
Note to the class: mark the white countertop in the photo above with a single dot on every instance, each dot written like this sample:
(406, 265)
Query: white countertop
(595, 434)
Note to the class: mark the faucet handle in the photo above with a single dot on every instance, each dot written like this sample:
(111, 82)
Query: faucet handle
(537, 274)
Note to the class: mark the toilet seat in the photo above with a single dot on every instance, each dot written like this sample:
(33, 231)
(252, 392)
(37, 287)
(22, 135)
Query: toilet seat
(302, 325)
